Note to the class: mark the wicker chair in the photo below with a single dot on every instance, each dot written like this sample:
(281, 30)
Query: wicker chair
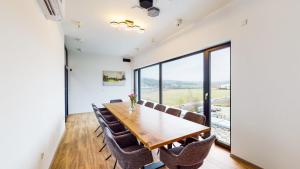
(189, 157)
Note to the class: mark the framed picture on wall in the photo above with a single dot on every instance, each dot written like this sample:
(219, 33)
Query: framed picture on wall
(114, 78)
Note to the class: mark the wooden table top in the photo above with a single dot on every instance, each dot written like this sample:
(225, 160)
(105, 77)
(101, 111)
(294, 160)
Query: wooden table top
(154, 128)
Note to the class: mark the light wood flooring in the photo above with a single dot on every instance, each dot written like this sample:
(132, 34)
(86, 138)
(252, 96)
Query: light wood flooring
(79, 149)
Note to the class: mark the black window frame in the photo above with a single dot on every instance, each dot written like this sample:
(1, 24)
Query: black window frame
(206, 81)
(137, 88)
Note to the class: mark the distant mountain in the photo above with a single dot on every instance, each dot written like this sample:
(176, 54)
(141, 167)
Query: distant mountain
(176, 84)
(220, 84)
(150, 83)
(171, 84)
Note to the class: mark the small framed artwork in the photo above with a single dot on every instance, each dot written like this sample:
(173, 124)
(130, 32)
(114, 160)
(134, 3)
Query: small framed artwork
(114, 78)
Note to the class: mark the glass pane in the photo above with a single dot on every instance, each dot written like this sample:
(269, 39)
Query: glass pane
(220, 94)
(183, 83)
(150, 83)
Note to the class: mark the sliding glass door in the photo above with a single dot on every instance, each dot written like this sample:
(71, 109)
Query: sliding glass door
(220, 94)
(197, 82)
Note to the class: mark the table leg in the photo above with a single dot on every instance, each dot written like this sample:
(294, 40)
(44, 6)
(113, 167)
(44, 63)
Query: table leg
(155, 165)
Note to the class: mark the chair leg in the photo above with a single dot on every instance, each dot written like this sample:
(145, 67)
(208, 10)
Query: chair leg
(100, 134)
(107, 157)
(97, 128)
(115, 164)
(102, 147)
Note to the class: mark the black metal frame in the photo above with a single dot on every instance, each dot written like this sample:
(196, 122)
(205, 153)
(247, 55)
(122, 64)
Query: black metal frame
(206, 88)
(134, 84)
(160, 84)
(207, 113)
(139, 85)
(206, 81)
(66, 84)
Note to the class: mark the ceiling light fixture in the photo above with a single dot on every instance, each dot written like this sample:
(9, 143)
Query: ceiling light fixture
(114, 24)
(127, 25)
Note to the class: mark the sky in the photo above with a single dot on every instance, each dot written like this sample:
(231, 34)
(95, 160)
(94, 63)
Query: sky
(191, 68)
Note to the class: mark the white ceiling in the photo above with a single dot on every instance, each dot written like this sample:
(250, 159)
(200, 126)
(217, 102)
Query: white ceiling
(98, 37)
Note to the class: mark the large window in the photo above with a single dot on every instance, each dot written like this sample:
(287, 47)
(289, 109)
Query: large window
(150, 83)
(198, 82)
(182, 83)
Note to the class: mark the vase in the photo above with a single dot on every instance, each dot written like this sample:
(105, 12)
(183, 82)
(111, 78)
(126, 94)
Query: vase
(132, 106)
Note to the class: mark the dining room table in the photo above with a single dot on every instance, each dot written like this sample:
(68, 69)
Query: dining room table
(153, 128)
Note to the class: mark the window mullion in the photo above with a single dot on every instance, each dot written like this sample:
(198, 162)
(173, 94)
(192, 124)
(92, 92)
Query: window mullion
(160, 84)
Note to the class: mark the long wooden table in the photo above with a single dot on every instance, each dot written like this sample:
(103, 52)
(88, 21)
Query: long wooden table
(154, 128)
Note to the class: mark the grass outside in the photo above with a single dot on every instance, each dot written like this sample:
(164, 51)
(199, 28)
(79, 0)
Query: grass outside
(177, 97)
(113, 80)
(192, 100)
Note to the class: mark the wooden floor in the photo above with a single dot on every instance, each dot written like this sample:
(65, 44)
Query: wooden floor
(79, 149)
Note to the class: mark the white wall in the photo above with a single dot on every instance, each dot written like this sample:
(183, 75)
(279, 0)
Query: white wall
(265, 75)
(85, 81)
(31, 86)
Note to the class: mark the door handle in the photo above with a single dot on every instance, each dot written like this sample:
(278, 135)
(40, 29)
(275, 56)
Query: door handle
(206, 96)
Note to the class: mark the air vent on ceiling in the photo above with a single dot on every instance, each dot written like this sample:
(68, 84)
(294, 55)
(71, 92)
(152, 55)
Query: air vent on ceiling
(52, 9)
